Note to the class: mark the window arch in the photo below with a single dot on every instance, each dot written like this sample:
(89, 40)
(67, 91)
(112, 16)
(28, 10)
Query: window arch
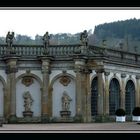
(129, 97)
(94, 96)
(114, 96)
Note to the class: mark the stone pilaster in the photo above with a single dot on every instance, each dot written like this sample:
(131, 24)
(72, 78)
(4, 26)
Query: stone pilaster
(137, 95)
(88, 97)
(106, 99)
(79, 64)
(100, 110)
(122, 96)
(45, 88)
(11, 69)
(83, 96)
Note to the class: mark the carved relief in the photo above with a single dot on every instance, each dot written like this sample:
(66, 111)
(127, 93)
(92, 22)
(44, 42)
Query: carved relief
(64, 80)
(27, 81)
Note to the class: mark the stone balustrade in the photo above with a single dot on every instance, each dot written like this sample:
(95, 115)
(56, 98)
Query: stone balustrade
(69, 50)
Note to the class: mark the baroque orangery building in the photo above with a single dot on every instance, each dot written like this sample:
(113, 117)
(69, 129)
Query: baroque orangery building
(97, 80)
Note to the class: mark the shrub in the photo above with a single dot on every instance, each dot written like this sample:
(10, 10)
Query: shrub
(120, 112)
(136, 111)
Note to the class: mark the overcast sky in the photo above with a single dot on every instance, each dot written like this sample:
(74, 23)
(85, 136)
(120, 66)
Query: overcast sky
(32, 22)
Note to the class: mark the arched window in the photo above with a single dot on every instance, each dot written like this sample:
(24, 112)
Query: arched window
(129, 97)
(94, 95)
(114, 96)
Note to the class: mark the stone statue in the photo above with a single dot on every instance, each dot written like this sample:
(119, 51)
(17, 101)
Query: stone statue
(84, 38)
(66, 102)
(10, 38)
(46, 39)
(27, 101)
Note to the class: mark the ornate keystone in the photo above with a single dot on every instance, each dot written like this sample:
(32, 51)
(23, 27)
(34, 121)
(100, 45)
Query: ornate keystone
(123, 75)
(107, 73)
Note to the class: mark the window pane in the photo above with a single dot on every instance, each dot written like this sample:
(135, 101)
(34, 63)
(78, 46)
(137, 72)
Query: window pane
(94, 95)
(129, 97)
(114, 96)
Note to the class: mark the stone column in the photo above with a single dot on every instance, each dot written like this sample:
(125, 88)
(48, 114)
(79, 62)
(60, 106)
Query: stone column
(122, 96)
(106, 100)
(137, 95)
(45, 88)
(88, 96)
(100, 110)
(11, 70)
(79, 63)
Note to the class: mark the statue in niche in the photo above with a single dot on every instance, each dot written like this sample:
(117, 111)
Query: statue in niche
(27, 101)
(84, 38)
(66, 101)
(10, 38)
(46, 39)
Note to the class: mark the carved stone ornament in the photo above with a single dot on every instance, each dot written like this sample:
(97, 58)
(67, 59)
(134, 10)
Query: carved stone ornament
(64, 80)
(123, 75)
(27, 81)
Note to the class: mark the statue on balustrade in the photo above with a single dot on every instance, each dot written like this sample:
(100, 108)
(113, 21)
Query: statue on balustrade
(9, 39)
(46, 42)
(46, 39)
(84, 38)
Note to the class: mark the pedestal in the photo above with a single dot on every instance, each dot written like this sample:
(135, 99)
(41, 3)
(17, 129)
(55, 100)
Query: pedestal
(65, 114)
(27, 113)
